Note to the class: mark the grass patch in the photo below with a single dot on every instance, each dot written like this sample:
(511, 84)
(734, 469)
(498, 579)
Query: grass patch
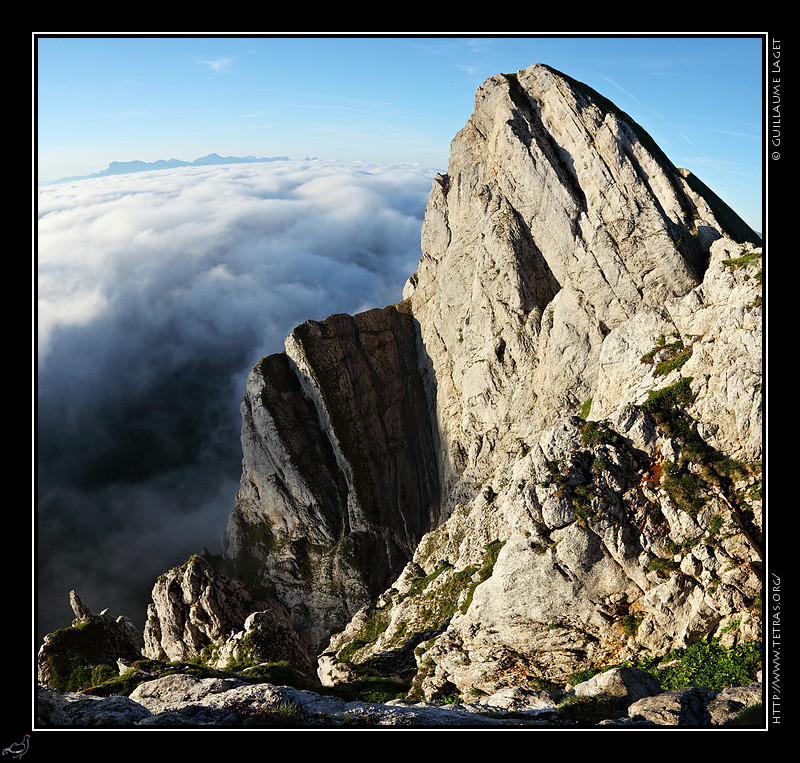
(742, 262)
(752, 716)
(280, 716)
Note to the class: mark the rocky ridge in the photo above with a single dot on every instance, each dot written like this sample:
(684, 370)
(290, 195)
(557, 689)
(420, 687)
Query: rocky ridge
(545, 459)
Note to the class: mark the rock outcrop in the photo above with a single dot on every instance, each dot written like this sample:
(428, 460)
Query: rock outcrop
(198, 610)
(193, 607)
(339, 478)
(544, 459)
(93, 644)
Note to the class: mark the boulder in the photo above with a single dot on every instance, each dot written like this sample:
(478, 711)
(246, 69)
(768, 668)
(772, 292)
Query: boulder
(72, 658)
(627, 684)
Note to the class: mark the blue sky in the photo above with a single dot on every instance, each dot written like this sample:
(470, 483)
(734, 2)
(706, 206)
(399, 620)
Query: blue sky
(381, 98)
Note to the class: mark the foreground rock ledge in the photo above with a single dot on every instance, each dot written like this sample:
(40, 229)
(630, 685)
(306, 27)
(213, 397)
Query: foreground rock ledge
(186, 702)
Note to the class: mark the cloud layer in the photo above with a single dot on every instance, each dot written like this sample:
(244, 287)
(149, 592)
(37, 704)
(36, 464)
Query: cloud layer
(156, 294)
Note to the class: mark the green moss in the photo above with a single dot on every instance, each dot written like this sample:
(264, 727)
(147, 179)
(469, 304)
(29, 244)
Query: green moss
(420, 584)
(374, 626)
(670, 356)
(434, 605)
(748, 258)
(77, 657)
(492, 550)
(278, 673)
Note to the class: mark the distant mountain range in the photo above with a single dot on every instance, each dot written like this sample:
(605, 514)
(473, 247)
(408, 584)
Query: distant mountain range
(124, 168)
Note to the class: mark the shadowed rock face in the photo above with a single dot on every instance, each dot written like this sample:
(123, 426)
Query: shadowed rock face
(296, 420)
(340, 476)
(366, 369)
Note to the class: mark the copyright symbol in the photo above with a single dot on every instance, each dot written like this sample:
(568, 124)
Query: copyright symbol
(776, 155)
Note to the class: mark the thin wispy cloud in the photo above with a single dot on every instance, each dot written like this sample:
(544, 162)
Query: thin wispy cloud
(736, 134)
(220, 65)
(619, 87)
(731, 169)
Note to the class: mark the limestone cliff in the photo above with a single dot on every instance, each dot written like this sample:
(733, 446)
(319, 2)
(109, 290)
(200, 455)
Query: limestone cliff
(339, 478)
(545, 457)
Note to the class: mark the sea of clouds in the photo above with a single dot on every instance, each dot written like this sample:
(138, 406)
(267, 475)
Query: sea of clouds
(157, 292)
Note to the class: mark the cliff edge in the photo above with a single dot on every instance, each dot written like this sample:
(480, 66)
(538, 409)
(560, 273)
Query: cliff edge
(544, 459)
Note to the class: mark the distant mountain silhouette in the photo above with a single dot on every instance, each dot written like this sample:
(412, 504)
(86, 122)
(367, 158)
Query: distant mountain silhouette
(124, 168)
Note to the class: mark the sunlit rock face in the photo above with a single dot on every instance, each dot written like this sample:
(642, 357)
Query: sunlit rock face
(486, 461)
(557, 222)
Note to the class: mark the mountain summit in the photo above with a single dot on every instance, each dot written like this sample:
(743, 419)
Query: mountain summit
(542, 460)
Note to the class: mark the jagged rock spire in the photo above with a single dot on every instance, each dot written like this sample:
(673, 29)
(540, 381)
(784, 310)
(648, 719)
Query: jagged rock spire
(496, 427)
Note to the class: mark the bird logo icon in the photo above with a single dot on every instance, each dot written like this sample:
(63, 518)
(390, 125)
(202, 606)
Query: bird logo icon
(18, 749)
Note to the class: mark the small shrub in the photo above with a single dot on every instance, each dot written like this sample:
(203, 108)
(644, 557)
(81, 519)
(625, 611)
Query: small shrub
(663, 566)
(631, 623)
(589, 710)
(666, 405)
(582, 497)
(670, 356)
(683, 488)
(715, 525)
(708, 663)
(597, 432)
